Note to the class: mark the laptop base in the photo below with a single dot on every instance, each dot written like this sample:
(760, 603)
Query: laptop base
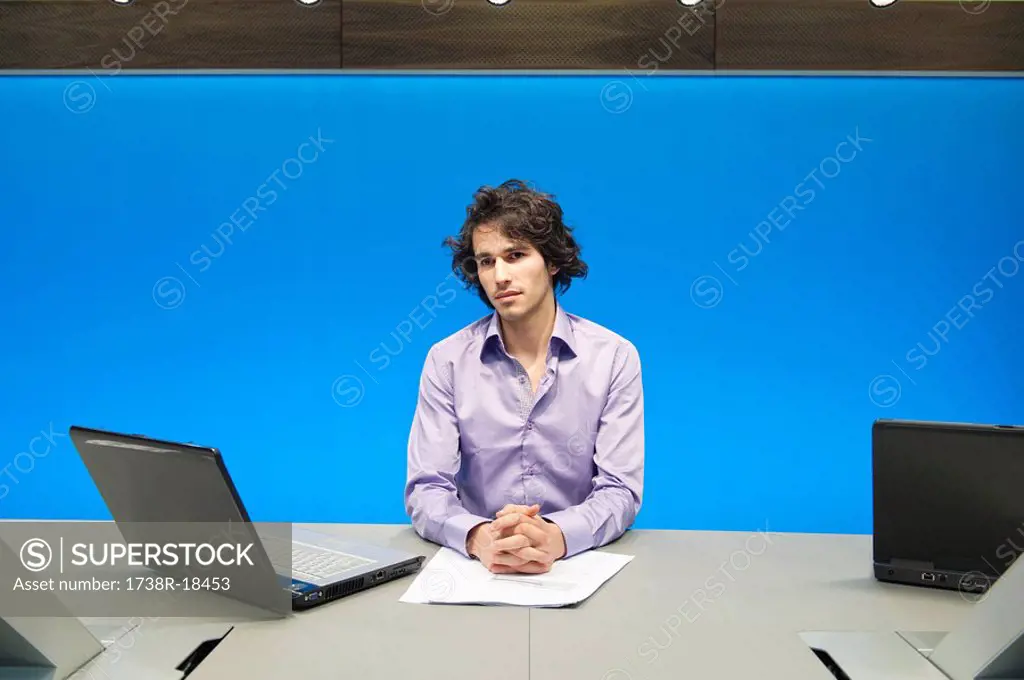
(306, 595)
(972, 584)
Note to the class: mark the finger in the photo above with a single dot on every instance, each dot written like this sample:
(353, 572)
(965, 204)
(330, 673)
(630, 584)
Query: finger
(501, 569)
(536, 534)
(508, 559)
(524, 509)
(486, 536)
(533, 568)
(507, 521)
(533, 522)
(511, 543)
(534, 516)
(507, 509)
(531, 554)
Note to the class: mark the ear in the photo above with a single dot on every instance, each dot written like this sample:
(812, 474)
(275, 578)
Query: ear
(552, 270)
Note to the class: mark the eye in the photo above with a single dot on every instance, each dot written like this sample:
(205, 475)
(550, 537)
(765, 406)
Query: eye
(516, 255)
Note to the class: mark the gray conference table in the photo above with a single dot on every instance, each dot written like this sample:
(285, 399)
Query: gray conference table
(691, 603)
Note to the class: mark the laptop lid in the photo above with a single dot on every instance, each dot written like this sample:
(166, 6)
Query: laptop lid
(157, 489)
(151, 480)
(948, 494)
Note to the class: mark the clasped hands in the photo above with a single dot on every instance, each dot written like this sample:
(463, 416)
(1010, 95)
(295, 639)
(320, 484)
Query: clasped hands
(517, 541)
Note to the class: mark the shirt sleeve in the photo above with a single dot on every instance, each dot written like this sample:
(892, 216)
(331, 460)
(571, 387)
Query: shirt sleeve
(612, 506)
(431, 496)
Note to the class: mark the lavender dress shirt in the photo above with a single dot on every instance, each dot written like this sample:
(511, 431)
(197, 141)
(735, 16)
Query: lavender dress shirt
(481, 438)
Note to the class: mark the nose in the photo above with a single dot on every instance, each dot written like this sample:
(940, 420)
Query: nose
(502, 273)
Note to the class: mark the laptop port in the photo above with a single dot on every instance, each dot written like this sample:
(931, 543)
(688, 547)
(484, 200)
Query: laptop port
(927, 576)
(379, 575)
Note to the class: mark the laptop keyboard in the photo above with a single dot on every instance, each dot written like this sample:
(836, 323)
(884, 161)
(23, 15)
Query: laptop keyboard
(312, 560)
(323, 563)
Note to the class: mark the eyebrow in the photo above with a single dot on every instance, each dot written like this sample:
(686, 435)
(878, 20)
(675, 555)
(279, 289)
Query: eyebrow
(520, 246)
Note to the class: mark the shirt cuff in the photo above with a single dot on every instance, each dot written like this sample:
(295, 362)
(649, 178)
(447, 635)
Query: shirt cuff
(457, 528)
(577, 533)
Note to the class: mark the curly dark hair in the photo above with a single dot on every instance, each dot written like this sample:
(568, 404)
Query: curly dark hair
(523, 214)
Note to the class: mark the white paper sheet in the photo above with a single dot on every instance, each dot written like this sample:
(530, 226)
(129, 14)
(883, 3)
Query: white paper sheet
(450, 578)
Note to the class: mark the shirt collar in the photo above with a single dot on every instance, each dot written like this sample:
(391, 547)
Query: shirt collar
(562, 331)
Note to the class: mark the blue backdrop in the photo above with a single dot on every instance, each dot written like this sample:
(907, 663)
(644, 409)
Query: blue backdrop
(255, 263)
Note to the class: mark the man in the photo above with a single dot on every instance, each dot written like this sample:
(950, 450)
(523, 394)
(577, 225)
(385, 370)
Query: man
(527, 444)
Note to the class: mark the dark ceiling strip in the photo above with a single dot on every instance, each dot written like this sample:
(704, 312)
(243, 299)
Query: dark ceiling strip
(641, 37)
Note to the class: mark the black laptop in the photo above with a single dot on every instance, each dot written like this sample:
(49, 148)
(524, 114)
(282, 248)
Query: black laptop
(146, 481)
(948, 502)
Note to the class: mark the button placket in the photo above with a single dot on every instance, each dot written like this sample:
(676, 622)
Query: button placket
(532, 487)
(525, 391)
(525, 399)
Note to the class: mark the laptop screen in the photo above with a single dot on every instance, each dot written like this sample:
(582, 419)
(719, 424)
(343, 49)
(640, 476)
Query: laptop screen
(948, 494)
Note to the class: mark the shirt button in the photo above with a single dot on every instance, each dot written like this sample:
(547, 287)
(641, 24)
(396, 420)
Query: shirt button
(529, 424)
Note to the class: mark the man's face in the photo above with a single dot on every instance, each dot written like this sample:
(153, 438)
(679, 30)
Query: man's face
(513, 274)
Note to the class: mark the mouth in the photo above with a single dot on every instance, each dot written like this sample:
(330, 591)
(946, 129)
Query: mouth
(508, 295)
